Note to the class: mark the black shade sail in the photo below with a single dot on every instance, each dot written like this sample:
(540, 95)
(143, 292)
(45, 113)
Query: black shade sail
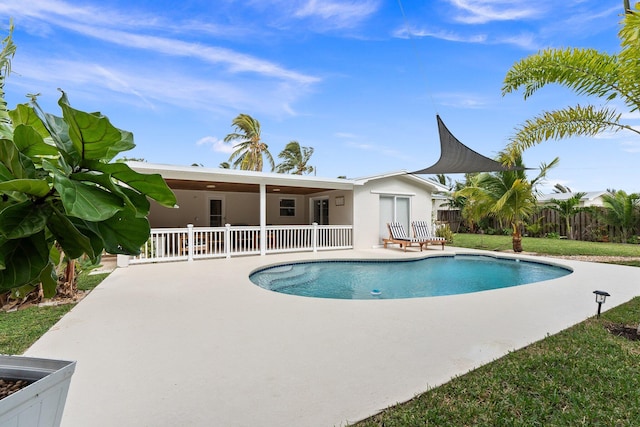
(455, 157)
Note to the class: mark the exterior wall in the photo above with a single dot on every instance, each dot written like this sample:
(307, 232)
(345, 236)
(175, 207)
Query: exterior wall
(366, 222)
(340, 206)
(273, 210)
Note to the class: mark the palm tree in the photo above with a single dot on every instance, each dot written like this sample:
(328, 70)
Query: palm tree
(295, 159)
(508, 195)
(443, 180)
(567, 209)
(224, 165)
(586, 72)
(623, 211)
(559, 188)
(249, 147)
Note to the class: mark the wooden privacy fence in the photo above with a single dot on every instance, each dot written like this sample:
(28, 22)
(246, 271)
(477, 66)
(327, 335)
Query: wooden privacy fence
(585, 225)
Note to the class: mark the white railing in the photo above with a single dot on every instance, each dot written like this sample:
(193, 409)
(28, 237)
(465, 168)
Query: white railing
(175, 244)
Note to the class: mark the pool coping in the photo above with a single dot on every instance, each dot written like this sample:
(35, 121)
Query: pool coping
(196, 343)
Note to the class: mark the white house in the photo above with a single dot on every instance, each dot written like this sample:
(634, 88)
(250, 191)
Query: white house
(591, 198)
(227, 212)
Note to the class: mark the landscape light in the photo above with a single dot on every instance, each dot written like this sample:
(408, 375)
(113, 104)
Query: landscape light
(601, 297)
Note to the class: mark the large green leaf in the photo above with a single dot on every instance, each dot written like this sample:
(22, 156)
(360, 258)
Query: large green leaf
(106, 182)
(152, 185)
(84, 201)
(34, 187)
(5, 173)
(58, 129)
(31, 144)
(24, 260)
(140, 202)
(92, 232)
(93, 135)
(124, 233)
(23, 219)
(73, 242)
(24, 114)
(19, 164)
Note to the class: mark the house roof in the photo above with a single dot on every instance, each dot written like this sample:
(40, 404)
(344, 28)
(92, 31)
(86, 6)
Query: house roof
(589, 196)
(216, 179)
(432, 185)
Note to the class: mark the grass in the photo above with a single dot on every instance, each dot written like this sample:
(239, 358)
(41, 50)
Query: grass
(581, 376)
(546, 246)
(20, 329)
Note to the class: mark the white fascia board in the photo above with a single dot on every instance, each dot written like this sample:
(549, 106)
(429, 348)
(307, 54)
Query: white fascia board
(197, 173)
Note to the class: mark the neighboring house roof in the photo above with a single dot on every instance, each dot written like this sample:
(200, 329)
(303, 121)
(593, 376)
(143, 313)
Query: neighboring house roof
(432, 185)
(590, 198)
(201, 178)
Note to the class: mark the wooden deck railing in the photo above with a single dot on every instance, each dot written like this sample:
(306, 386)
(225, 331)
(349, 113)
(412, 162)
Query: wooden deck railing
(176, 244)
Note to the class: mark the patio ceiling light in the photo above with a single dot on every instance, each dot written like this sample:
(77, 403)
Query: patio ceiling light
(211, 186)
(601, 297)
(276, 189)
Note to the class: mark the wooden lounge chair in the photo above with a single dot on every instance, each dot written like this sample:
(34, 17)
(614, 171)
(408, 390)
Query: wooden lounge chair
(422, 231)
(399, 236)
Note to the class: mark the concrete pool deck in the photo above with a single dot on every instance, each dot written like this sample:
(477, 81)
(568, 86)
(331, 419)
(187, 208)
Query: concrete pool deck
(197, 344)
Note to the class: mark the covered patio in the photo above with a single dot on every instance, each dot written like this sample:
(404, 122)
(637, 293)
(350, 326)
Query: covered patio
(224, 213)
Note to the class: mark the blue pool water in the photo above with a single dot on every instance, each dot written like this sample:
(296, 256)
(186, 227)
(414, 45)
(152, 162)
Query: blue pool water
(433, 276)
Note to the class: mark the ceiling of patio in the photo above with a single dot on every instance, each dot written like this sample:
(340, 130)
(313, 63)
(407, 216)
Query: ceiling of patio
(177, 184)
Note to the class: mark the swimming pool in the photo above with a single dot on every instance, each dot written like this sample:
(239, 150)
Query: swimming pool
(425, 277)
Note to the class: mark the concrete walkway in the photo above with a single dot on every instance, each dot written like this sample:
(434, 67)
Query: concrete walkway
(197, 344)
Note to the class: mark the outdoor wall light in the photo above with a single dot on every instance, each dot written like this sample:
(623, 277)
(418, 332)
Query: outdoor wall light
(601, 297)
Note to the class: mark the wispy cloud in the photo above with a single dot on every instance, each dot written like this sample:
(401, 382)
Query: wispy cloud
(483, 11)
(235, 61)
(237, 83)
(524, 40)
(461, 100)
(337, 14)
(441, 34)
(216, 144)
(150, 89)
(630, 146)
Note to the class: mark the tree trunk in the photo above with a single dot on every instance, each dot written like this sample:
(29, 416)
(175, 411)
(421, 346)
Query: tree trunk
(517, 243)
(516, 238)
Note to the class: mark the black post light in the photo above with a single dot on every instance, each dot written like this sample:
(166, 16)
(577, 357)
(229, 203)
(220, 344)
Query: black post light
(601, 297)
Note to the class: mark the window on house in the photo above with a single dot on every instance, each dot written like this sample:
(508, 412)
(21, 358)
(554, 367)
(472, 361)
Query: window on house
(287, 207)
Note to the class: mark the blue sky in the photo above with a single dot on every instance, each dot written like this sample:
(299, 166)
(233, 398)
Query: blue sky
(359, 80)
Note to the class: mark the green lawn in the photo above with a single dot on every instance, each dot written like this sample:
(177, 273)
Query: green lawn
(583, 376)
(546, 246)
(20, 329)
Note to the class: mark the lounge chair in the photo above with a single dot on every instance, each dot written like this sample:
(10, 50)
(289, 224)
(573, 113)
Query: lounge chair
(399, 236)
(422, 231)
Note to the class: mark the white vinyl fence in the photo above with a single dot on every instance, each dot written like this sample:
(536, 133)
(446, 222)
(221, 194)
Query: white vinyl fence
(175, 244)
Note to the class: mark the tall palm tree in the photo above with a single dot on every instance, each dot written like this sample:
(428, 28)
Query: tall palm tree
(623, 211)
(567, 209)
(249, 147)
(586, 72)
(295, 159)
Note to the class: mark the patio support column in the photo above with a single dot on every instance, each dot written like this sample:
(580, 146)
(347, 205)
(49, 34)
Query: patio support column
(263, 219)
